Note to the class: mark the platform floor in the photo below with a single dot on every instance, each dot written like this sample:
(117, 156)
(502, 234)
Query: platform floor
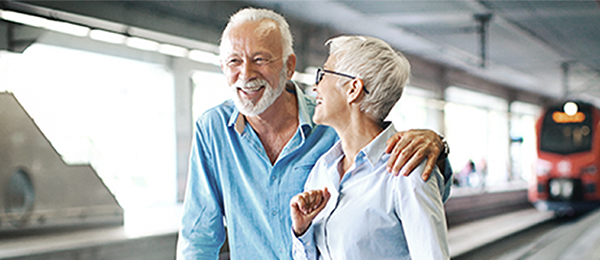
(464, 238)
(152, 234)
(146, 234)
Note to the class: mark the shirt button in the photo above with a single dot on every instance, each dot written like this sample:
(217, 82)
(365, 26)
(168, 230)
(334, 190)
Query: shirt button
(273, 177)
(274, 212)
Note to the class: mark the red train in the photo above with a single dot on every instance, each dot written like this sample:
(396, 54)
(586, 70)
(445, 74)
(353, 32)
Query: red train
(567, 180)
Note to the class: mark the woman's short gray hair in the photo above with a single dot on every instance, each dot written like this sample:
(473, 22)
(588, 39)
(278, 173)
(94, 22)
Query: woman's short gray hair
(253, 14)
(383, 70)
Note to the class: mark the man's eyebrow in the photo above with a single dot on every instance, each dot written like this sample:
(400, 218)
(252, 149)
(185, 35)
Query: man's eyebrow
(264, 53)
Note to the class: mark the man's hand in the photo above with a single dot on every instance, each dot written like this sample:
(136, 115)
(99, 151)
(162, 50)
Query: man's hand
(304, 208)
(409, 148)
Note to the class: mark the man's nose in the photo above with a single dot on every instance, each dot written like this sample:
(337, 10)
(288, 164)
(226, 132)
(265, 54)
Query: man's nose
(247, 71)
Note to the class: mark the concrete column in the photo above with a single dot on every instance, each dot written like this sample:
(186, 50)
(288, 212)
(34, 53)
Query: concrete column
(183, 120)
(183, 70)
(440, 115)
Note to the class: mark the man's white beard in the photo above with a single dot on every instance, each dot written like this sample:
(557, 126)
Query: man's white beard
(247, 107)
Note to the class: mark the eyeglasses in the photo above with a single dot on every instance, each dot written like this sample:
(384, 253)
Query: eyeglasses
(321, 72)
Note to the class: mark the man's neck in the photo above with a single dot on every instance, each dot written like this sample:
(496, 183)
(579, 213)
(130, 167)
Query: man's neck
(277, 124)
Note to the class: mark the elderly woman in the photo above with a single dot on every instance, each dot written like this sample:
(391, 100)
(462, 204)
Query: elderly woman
(352, 208)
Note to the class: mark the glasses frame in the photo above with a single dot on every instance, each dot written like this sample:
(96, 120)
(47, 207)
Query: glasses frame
(321, 72)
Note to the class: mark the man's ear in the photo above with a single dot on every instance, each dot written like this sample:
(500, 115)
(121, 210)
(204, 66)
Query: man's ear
(291, 66)
(355, 90)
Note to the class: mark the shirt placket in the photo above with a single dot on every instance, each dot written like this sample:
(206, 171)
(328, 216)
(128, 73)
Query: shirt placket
(360, 159)
(278, 187)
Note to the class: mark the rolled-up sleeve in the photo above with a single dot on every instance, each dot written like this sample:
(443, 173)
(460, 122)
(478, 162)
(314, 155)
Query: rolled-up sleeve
(448, 180)
(304, 247)
(421, 212)
(202, 230)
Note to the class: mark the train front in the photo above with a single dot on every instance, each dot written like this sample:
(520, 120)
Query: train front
(568, 147)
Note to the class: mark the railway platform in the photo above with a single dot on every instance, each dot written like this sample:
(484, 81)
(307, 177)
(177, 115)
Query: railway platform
(152, 233)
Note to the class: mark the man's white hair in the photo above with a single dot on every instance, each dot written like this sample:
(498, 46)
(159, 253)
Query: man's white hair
(253, 14)
(383, 70)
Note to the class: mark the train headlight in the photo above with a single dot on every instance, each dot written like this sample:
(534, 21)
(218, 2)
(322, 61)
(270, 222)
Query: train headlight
(564, 167)
(566, 191)
(554, 188)
(561, 188)
(543, 167)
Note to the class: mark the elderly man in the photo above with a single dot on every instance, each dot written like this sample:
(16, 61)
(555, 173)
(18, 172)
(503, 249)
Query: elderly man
(250, 156)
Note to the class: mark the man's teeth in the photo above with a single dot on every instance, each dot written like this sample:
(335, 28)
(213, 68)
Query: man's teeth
(247, 89)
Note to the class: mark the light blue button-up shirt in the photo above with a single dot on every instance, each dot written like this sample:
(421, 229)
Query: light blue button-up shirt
(231, 178)
(372, 214)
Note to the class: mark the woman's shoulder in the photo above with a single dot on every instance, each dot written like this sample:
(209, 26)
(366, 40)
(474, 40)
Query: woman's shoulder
(415, 180)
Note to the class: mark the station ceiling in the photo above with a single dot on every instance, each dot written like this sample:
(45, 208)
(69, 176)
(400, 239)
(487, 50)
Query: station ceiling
(544, 46)
(549, 47)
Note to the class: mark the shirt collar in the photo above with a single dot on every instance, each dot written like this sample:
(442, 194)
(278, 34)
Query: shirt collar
(236, 120)
(372, 152)
(305, 112)
(376, 148)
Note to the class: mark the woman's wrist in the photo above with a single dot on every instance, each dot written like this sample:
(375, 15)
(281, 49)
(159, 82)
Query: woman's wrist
(299, 231)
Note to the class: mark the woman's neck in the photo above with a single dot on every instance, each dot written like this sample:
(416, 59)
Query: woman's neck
(354, 136)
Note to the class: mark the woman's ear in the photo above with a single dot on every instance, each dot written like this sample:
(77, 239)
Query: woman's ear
(355, 90)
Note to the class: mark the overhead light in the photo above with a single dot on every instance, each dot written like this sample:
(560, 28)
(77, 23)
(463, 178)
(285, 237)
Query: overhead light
(142, 44)
(101, 35)
(204, 57)
(40, 22)
(172, 50)
(23, 18)
(67, 28)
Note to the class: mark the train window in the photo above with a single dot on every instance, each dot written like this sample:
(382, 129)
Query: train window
(564, 134)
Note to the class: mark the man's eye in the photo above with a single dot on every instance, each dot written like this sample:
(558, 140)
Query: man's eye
(261, 60)
(233, 62)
